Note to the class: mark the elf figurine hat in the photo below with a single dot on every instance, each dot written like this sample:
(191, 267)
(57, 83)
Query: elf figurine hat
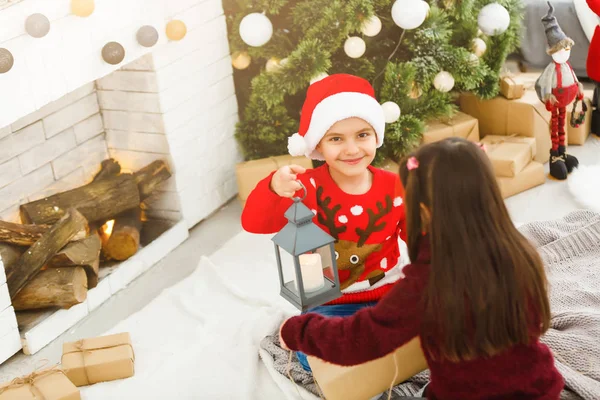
(330, 100)
(557, 40)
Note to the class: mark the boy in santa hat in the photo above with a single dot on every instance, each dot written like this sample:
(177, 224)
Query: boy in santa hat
(593, 67)
(557, 87)
(359, 205)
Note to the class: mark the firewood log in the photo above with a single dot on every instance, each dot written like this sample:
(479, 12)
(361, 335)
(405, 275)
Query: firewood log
(26, 235)
(34, 258)
(53, 287)
(150, 177)
(124, 241)
(108, 168)
(84, 253)
(100, 200)
(10, 253)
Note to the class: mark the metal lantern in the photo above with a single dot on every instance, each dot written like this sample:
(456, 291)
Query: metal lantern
(307, 267)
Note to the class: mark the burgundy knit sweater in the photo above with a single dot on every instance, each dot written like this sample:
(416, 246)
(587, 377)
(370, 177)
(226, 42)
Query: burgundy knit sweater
(519, 373)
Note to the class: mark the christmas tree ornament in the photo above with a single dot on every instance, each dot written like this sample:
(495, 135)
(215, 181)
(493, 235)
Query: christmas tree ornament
(273, 65)
(557, 87)
(409, 14)
(443, 81)
(6, 61)
(415, 91)
(37, 25)
(391, 111)
(240, 60)
(354, 47)
(82, 8)
(147, 36)
(372, 26)
(306, 259)
(478, 47)
(113, 53)
(318, 77)
(493, 19)
(473, 60)
(176, 29)
(256, 29)
(427, 8)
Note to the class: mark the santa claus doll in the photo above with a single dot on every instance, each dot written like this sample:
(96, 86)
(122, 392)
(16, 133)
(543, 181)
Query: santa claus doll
(593, 67)
(557, 87)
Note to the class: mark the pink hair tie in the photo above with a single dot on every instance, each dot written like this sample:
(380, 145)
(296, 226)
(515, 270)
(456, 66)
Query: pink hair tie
(482, 147)
(412, 163)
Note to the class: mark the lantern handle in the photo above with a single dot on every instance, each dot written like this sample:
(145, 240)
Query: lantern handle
(297, 199)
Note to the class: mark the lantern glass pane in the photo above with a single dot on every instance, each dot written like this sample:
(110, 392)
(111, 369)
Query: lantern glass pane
(288, 270)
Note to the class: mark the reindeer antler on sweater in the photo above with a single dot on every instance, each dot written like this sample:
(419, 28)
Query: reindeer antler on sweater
(329, 219)
(373, 226)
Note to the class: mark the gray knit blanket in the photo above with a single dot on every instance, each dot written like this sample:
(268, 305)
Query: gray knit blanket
(570, 248)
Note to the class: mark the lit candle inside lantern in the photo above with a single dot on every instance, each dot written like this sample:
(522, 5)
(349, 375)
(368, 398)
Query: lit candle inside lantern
(312, 272)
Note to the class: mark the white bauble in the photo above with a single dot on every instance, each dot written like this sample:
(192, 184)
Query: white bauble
(317, 78)
(355, 47)
(240, 60)
(273, 65)
(283, 62)
(391, 111)
(427, 8)
(443, 81)
(478, 46)
(473, 60)
(493, 19)
(372, 26)
(409, 14)
(256, 29)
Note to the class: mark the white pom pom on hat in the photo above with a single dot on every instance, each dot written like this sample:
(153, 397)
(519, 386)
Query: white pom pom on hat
(330, 100)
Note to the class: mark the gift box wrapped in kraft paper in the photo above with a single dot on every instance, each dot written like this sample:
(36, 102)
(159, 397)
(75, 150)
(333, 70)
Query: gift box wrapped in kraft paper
(509, 154)
(511, 87)
(460, 125)
(364, 381)
(249, 173)
(526, 116)
(99, 359)
(49, 384)
(531, 176)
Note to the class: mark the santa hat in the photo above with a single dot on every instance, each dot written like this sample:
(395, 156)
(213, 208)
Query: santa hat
(330, 100)
(556, 38)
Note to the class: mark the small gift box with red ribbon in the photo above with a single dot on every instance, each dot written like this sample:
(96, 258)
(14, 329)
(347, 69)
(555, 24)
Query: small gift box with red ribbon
(99, 359)
(48, 384)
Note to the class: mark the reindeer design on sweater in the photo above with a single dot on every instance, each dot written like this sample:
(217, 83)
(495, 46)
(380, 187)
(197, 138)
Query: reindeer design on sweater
(350, 255)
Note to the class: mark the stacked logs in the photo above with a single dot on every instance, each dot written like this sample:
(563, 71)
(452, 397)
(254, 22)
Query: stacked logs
(53, 257)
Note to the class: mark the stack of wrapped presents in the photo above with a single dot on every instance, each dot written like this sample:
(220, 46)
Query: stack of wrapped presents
(515, 129)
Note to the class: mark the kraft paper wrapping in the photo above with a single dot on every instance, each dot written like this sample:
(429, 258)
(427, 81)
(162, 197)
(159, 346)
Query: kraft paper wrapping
(49, 384)
(460, 125)
(532, 175)
(509, 154)
(526, 116)
(511, 87)
(367, 380)
(249, 173)
(99, 359)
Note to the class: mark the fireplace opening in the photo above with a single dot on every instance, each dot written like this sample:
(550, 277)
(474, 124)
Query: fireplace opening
(88, 200)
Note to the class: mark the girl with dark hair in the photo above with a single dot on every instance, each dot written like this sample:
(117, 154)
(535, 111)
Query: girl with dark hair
(475, 293)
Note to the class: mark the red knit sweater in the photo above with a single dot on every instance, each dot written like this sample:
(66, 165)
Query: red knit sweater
(366, 226)
(522, 372)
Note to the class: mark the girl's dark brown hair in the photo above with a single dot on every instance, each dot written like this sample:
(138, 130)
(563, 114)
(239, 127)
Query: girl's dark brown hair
(487, 289)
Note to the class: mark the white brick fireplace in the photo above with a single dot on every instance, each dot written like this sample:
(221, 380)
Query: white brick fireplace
(63, 110)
